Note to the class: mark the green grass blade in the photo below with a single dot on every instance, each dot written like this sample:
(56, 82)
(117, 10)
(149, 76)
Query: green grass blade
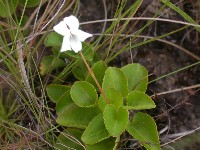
(181, 12)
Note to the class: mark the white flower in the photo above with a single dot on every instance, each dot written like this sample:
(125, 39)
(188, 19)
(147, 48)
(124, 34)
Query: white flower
(72, 35)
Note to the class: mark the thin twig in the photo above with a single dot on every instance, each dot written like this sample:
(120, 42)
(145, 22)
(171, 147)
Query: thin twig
(160, 40)
(180, 135)
(141, 18)
(179, 90)
(53, 16)
(93, 76)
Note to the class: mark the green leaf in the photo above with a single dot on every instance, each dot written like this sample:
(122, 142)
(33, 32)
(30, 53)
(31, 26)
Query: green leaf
(96, 131)
(84, 94)
(138, 100)
(78, 117)
(143, 129)
(65, 142)
(7, 7)
(137, 76)
(63, 102)
(114, 78)
(57, 92)
(30, 3)
(114, 98)
(107, 144)
(50, 63)
(96, 58)
(115, 119)
(53, 39)
(98, 69)
(56, 51)
(80, 70)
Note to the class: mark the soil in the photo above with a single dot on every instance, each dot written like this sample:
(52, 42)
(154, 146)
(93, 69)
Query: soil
(177, 112)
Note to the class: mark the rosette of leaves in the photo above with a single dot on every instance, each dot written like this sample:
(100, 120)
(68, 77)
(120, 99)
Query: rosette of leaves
(100, 121)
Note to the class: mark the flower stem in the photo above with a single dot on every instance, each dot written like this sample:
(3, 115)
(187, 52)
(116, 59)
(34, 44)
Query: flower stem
(93, 76)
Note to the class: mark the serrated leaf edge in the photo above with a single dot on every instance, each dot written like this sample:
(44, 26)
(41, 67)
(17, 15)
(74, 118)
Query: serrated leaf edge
(135, 108)
(99, 139)
(141, 142)
(122, 73)
(106, 125)
(62, 94)
(93, 105)
(140, 80)
(88, 75)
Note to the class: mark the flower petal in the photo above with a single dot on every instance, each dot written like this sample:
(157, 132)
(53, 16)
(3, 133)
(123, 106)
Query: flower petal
(61, 28)
(75, 43)
(82, 36)
(72, 22)
(65, 44)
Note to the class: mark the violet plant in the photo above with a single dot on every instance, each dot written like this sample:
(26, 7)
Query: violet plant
(95, 110)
